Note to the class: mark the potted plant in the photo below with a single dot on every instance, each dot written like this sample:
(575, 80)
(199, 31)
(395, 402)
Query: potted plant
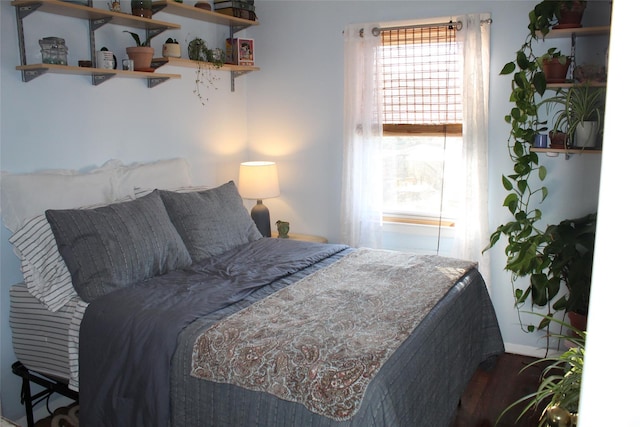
(208, 60)
(550, 14)
(570, 251)
(581, 113)
(561, 379)
(555, 65)
(142, 53)
(525, 239)
(171, 48)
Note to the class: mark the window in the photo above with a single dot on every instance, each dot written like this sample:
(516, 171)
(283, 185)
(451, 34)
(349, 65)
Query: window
(421, 73)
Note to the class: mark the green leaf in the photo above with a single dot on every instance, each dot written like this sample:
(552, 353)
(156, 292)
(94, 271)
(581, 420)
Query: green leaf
(542, 173)
(540, 83)
(506, 183)
(508, 68)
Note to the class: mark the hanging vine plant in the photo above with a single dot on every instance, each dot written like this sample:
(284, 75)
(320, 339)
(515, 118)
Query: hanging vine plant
(208, 60)
(526, 240)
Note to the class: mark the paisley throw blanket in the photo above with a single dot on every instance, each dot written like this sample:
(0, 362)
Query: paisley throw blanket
(320, 341)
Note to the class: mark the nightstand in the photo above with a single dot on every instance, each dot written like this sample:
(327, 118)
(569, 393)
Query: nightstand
(303, 237)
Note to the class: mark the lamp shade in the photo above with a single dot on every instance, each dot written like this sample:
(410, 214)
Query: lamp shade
(258, 180)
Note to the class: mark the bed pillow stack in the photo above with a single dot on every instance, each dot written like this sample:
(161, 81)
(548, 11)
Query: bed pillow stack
(117, 245)
(210, 222)
(25, 197)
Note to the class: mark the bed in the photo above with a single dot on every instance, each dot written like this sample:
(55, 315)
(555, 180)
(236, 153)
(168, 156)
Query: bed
(180, 313)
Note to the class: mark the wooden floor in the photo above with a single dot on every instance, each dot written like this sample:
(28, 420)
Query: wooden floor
(489, 393)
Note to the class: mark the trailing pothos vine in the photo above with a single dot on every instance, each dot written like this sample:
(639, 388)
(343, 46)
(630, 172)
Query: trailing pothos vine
(526, 241)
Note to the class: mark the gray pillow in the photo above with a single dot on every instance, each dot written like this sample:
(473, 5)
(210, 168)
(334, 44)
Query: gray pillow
(211, 221)
(114, 246)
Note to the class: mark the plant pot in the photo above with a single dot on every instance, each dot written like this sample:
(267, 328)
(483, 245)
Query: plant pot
(558, 140)
(571, 17)
(586, 135)
(577, 320)
(142, 56)
(555, 71)
(171, 50)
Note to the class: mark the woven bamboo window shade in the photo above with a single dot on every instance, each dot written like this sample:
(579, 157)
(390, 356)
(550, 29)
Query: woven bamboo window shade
(421, 73)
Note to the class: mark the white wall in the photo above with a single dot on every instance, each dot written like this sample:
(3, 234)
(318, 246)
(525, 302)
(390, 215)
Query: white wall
(290, 112)
(63, 121)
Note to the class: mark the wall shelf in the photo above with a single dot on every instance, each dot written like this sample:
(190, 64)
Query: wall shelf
(193, 12)
(579, 32)
(73, 10)
(99, 75)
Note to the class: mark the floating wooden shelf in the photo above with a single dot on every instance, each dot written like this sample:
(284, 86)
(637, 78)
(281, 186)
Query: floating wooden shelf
(74, 10)
(567, 150)
(580, 32)
(193, 12)
(182, 62)
(98, 74)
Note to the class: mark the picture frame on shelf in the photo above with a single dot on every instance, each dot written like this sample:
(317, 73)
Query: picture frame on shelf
(240, 51)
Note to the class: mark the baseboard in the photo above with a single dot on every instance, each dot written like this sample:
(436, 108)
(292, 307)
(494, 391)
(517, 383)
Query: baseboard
(526, 350)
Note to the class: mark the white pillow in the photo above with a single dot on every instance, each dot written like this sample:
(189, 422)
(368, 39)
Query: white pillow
(45, 273)
(163, 175)
(25, 196)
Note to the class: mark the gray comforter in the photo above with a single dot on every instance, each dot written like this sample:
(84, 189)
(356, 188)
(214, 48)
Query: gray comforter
(127, 337)
(136, 348)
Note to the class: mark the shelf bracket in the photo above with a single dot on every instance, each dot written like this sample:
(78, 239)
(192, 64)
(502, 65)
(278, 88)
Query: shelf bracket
(97, 79)
(28, 75)
(155, 81)
(235, 74)
(97, 23)
(152, 32)
(24, 11)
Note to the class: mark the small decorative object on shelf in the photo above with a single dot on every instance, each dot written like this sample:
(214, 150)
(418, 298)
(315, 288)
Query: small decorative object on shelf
(106, 59)
(114, 6)
(283, 229)
(54, 50)
(240, 51)
(203, 5)
(141, 8)
(171, 48)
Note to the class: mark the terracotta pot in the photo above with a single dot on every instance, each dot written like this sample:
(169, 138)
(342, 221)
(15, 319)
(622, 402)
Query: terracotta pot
(555, 71)
(142, 56)
(558, 140)
(571, 18)
(577, 320)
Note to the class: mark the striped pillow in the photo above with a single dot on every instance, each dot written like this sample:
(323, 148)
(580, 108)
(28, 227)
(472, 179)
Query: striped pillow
(45, 274)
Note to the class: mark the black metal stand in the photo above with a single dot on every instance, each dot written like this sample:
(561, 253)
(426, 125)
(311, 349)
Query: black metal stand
(50, 384)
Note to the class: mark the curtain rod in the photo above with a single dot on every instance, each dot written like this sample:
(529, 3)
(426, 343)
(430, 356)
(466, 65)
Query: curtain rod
(458, 26)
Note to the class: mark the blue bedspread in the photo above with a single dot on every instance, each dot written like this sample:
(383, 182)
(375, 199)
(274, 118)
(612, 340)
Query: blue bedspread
(128, 337)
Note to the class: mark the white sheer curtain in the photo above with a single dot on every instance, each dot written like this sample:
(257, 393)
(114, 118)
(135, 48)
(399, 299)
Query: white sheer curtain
(362, 186)
(361, 215)
(472, 226)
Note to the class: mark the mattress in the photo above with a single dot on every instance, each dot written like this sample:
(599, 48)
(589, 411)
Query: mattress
(45, 341)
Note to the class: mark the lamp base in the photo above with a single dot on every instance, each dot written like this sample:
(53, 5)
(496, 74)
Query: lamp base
(260, 215)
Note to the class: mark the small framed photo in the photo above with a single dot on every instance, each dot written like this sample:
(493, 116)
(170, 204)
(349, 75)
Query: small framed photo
(240, 51)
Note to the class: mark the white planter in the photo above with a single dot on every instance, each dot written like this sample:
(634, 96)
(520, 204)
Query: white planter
(171, 50)
(586, 135)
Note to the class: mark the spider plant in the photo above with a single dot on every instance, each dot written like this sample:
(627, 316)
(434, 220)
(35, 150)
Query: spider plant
(559, 388)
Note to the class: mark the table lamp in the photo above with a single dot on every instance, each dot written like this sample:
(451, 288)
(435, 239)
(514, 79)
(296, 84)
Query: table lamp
(259, 180)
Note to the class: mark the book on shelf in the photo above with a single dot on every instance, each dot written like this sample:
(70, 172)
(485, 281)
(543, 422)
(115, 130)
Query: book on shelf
(240, 51)
(235, 4)
(238, 13)
(251, 2)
